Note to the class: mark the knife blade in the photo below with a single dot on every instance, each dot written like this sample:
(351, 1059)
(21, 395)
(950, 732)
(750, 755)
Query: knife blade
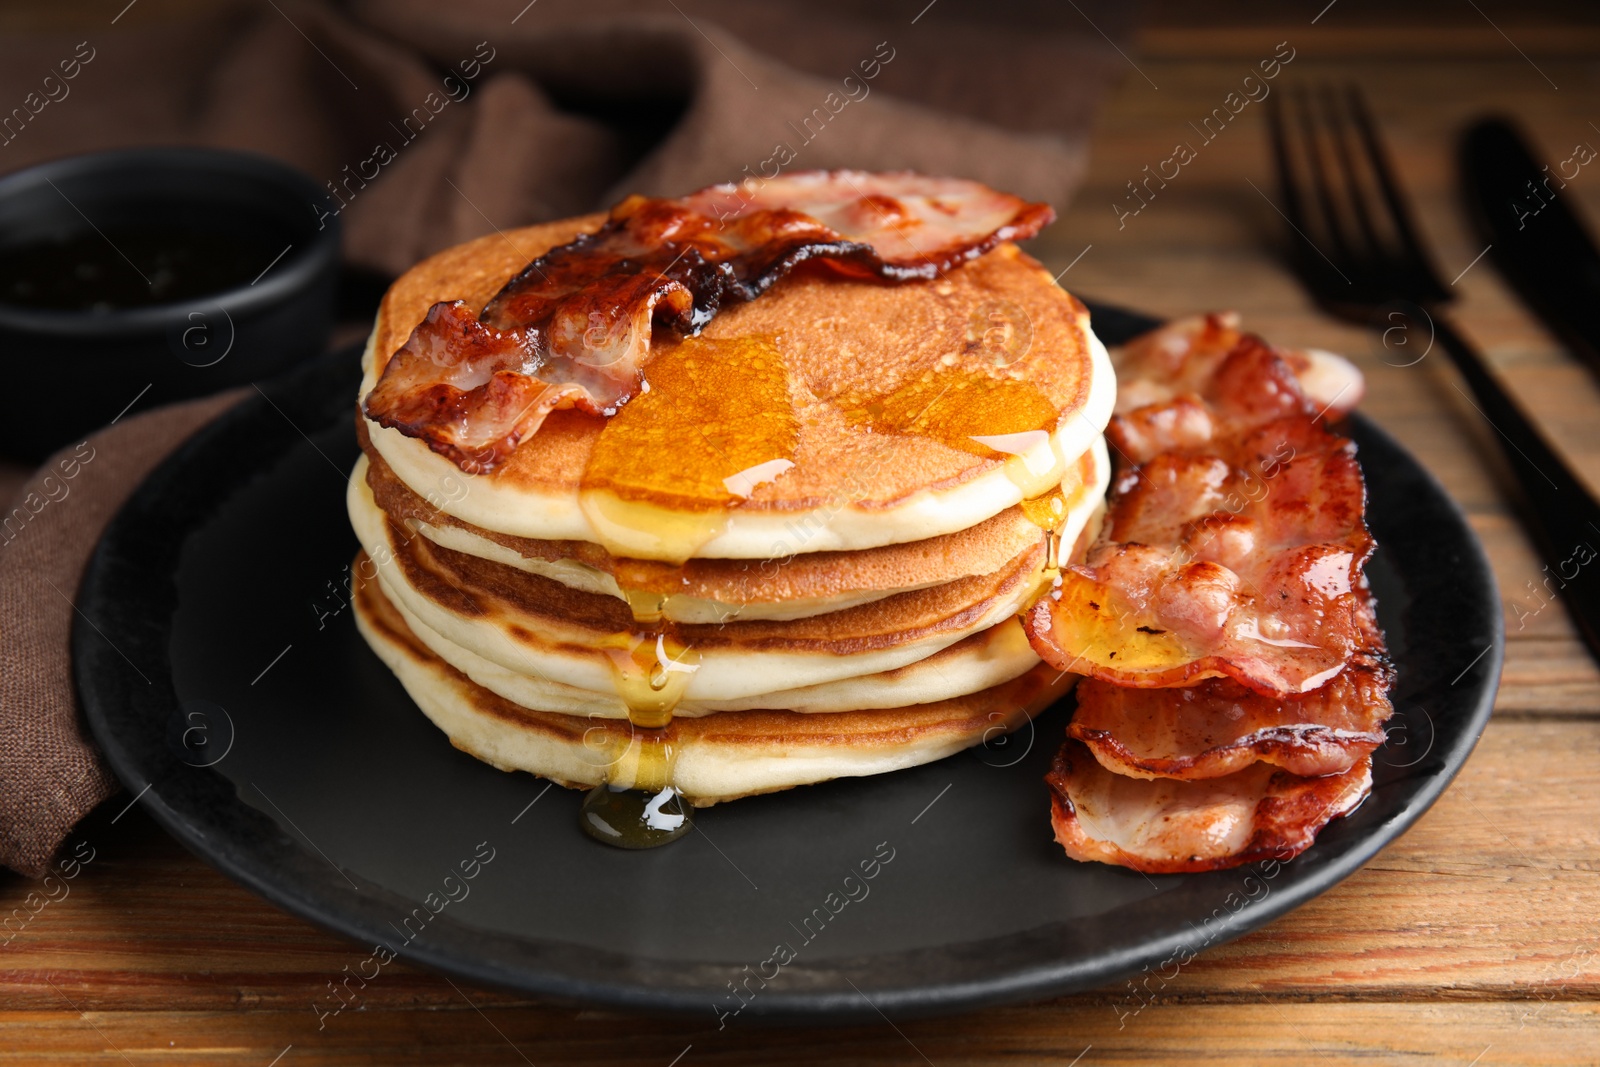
(1537, 241)
(1541, 247)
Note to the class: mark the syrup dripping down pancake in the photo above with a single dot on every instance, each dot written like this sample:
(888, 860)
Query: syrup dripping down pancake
(535, 626)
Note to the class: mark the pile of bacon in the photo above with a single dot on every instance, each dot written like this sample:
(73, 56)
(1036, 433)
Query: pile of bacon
(573, 329)
(1235, 682)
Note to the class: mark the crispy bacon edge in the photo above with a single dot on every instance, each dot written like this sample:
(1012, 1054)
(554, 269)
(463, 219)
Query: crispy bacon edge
(1288, 815)
(1306, 747)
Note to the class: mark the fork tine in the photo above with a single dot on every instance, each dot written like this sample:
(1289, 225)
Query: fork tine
(1399, 214)
(1311, 262)
(1327, 203)
(1288, 191)
(1371, 252)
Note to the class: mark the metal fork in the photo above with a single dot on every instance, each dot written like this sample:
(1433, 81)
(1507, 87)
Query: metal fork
(1357, 251)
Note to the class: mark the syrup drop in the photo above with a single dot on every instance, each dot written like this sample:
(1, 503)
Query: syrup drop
(1048, 511)
(651, 670)
(635, 818)
(646, 607)
(639, 806)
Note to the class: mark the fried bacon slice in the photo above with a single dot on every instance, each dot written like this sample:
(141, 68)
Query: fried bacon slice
(1219, 727)
(573, 329)
(1232, 546)
(1159, 366)
(1164, 826)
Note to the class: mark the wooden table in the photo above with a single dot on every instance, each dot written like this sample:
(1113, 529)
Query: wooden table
(1475, 939)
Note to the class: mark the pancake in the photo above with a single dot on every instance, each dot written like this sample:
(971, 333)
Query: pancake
(836, 414)
(980, 661)
(719, 757)
(532, 625)
(720, 590)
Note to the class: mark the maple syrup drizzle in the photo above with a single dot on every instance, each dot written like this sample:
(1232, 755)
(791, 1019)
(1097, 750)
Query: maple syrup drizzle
(990, 414)
(638, 805)
(658, 487)
(1050, 511)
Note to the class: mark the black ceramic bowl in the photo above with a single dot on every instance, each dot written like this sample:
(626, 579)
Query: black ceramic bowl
(256, 297)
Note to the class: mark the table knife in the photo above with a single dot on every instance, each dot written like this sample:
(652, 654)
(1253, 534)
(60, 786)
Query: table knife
(1536, 239)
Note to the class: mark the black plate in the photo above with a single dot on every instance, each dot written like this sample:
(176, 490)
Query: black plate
(229, 688)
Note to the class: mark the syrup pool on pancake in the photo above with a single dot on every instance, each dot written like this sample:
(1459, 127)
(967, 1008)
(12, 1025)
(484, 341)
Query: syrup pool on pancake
(608, 324)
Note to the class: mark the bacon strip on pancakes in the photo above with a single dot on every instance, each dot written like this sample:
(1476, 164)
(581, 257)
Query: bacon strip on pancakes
(1219, 727)
(573, 329)
(1163, 826)
(1232, 547)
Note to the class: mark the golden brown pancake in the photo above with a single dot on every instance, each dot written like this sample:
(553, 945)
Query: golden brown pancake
(718, 757)
(535, 625)
(819, 578)
(879, 394)
(979, 661)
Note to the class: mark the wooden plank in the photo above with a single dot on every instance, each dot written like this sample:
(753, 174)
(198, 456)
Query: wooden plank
(1079, 1031)
(1557, 676)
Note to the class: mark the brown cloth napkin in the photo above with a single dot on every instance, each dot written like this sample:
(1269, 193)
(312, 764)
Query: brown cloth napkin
(50, 773)
(432, 123)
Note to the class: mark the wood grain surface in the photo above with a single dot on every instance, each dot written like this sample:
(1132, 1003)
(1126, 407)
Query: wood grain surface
(1473, 940)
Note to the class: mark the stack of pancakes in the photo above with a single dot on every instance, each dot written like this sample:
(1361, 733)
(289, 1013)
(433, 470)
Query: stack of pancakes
(799, 554)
